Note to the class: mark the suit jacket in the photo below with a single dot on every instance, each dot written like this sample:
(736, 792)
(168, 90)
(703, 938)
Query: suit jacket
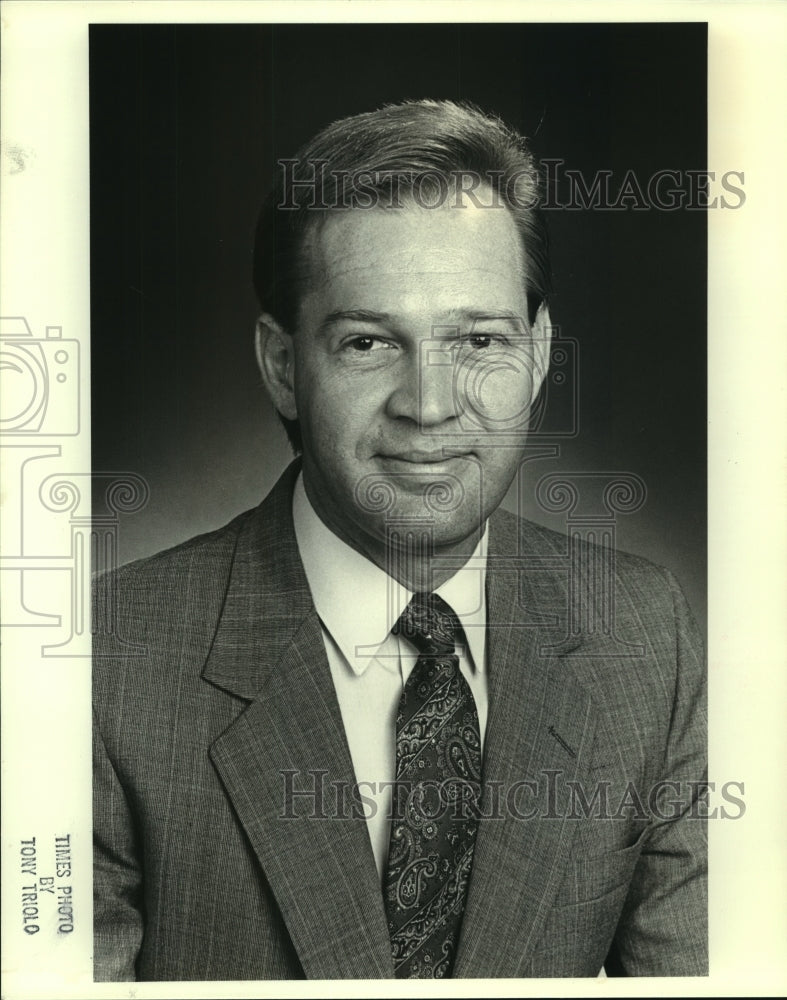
(213, 698)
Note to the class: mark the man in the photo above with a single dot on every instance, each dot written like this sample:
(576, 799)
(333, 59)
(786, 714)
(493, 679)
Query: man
(377, 726)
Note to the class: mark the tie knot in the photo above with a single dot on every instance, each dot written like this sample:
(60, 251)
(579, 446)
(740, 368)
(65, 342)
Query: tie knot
(429, 623)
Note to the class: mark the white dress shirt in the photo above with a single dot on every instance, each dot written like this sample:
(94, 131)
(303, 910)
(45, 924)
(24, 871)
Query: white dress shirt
(358, 604)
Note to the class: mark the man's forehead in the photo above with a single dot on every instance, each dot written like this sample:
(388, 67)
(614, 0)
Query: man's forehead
(411, 240)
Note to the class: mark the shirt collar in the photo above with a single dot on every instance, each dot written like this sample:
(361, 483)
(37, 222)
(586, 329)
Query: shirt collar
(359, 603)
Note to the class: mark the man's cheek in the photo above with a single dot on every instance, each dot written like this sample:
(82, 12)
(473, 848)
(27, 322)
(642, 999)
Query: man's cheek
(496, 392)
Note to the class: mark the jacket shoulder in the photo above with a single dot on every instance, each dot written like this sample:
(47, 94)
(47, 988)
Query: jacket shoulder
(163, 586)
(517, 534)
(590, 582)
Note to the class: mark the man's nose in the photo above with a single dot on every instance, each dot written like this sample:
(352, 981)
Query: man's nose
(426, 390)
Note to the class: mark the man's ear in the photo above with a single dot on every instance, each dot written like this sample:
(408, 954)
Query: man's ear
(542, 340)
(276, 360)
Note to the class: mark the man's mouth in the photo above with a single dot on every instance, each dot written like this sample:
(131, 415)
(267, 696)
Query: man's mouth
(417, 456)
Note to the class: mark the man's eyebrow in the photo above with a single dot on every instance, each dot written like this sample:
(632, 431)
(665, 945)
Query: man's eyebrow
(359, 315)
(370, 316)
(486, 314)
(470, 317)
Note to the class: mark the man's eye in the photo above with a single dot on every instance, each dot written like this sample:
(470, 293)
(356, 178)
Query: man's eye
(483, 341)
(364, 344)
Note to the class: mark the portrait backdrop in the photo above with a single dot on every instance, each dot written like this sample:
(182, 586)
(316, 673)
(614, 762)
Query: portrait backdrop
(186, 126)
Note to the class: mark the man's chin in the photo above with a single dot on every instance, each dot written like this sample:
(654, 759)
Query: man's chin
(401, 489)
(429, 531)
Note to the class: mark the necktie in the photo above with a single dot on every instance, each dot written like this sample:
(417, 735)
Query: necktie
(435, 798)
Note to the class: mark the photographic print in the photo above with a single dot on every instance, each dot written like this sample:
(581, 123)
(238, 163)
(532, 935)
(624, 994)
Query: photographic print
(251, 686)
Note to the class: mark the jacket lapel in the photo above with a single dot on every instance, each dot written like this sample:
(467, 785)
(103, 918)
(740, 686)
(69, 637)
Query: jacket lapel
(290, 739)
(540, 729)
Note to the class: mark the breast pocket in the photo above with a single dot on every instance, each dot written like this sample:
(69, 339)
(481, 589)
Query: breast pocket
(592, 876)
(580, 925)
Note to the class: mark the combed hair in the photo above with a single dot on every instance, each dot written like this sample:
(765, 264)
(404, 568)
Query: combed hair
(382, 158)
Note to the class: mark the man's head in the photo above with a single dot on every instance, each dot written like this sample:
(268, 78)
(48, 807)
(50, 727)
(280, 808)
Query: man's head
(402, 268)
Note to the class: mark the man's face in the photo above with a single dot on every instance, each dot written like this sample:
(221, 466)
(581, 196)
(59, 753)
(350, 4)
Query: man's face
(414, 368)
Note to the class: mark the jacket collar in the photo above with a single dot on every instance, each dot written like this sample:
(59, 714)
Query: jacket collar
(267, 598)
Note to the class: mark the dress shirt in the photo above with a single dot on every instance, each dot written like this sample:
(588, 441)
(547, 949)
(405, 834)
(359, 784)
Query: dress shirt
(358, 604)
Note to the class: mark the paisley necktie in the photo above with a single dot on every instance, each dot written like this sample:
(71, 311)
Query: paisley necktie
(435, 798)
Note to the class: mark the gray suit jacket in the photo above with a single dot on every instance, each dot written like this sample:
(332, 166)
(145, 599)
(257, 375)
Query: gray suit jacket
(212, 696)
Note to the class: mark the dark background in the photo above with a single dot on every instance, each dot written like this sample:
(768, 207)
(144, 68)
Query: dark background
(186, 125)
